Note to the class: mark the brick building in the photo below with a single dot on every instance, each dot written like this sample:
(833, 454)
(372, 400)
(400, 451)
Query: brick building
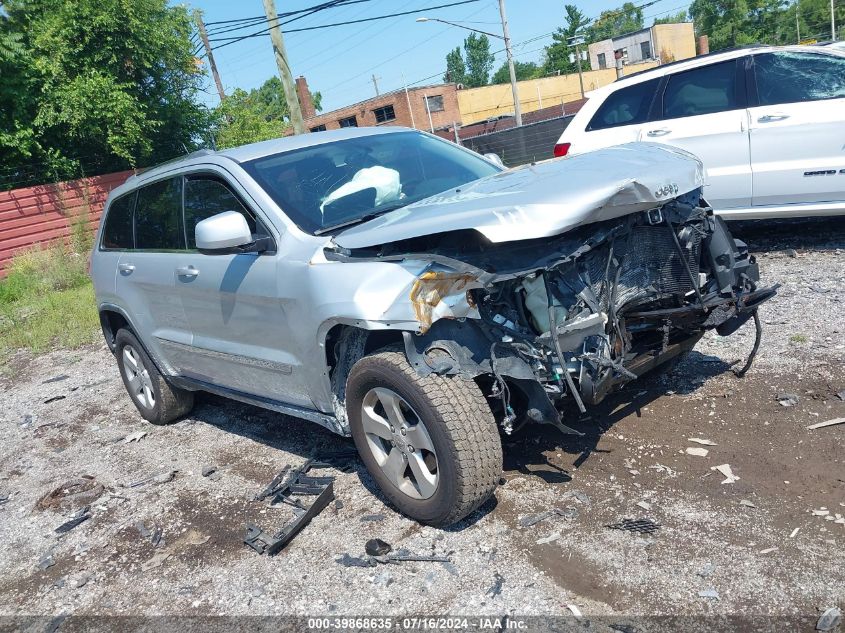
(431, 107)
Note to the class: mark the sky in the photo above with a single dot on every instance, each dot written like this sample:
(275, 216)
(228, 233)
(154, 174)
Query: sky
(339, 62)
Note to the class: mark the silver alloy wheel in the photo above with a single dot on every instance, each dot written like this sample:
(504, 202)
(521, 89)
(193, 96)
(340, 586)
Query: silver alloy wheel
(400, 443)
(138, 378)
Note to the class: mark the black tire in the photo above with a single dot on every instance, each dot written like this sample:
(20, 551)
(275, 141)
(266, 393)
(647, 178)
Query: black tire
(168, 402)
(461, 427)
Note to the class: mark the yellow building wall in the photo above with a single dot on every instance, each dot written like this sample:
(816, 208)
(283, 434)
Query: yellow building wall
(674, 42)
(478, 104)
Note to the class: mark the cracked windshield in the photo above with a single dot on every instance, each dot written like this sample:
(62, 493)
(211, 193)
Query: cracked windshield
(337, 184)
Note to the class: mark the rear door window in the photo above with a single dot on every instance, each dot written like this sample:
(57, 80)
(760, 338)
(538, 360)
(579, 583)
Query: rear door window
(158, 216)
(704, 90)
(789, 77)
(206, 196)
(117, 232)
(627, 106)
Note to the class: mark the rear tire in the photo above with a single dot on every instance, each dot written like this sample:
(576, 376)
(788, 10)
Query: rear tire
(458, 461)
(157, 400)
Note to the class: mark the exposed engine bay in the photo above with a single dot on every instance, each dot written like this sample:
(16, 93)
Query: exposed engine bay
(577, 315)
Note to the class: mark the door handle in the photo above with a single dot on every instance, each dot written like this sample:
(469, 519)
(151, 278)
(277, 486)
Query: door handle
(126, 268)
(659, 132)
(187, 271)
(768, 118)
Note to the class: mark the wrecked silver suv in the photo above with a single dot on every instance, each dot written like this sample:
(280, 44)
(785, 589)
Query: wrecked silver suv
(403, 290)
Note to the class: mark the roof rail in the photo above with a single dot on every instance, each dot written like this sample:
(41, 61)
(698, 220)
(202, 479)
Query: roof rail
(195, 154)
(683, 61)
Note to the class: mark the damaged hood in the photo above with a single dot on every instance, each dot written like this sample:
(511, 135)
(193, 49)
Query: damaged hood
(543, 199)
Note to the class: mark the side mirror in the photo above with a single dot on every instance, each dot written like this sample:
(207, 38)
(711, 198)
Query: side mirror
(222, 231)
(494, 158)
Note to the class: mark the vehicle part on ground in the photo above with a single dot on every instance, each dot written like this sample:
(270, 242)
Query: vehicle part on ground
(287, 488)
(637, 526)
(79, 517)
(155, 398)
(458, 442)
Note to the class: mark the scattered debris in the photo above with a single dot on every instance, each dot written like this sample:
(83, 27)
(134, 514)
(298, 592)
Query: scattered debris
(159, 478)
(819, 425)
(46, 561)
(338, 504)
(208, 470)
(55, 379)
(709, 593)
(496, 588)
(579, 496)
(156, 539)
(81, 580)
(664, 469)
(794, 532)
(82, 515)
(706, 570)
(196, 538)
(829, 620)
(575, 611)
(54, 399)
(157, 559)
(725, 469)
(644, 505)
(4, 497)
(297, 484)
(142, 529)
(355, 561)
(135, 436)
(549, 539)
(821, 512)
(841, 395)
(791, 253)
(698, 440)
(746, 503)
(377, 547)
(74, 493)
(697, 452)
(768, 550)
(639, 526)
(372, 517)
(568, 513)
(787, 399)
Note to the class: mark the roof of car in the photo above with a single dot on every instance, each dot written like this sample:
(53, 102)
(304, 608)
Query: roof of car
(701, 60)
(252, 151)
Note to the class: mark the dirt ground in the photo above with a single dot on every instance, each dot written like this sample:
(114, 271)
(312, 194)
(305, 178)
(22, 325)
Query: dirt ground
(769, 545)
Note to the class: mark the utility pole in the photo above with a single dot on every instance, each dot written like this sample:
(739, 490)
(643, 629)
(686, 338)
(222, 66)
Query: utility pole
(832, 23)
(797, 27)
(204, 36)
(577, 40)
(375, 83)
(284, 69)
(517, 110)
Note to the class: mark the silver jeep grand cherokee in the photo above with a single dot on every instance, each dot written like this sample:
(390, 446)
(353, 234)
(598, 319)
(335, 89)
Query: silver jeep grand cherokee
(398, 288)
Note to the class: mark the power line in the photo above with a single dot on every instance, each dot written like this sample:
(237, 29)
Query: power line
(298, 15)
(325, 26)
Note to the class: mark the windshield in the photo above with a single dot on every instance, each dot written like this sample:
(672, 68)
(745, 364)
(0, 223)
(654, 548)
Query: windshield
(339, 183)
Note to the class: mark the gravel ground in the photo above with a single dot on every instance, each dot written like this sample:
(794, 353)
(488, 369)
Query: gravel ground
(755, 543)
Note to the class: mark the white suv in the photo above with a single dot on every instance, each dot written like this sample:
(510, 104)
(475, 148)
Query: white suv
(768, 123)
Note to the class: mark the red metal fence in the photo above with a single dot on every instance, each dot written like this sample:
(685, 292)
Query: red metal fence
(47, 212)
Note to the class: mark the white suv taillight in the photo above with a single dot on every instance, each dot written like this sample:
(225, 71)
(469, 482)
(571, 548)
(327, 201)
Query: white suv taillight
(562, 149)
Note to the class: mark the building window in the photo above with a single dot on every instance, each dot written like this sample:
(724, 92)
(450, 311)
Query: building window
(348, 122)
(645, 49)
(602, 60)
(318, 128)
(385, 114)
(435, 103)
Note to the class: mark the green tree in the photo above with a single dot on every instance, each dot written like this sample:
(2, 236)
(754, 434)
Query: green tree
(729, 23)
(672, 19)
(98, 85)
(456, 70)
(556, 56)
(479, 60)
(523, 71)
(625, 19)
(258, 115)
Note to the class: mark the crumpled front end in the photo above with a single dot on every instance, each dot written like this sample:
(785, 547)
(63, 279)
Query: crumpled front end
(539, 322)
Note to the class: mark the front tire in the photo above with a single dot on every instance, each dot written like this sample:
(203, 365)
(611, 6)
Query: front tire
(431, 444)
(157, 400)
